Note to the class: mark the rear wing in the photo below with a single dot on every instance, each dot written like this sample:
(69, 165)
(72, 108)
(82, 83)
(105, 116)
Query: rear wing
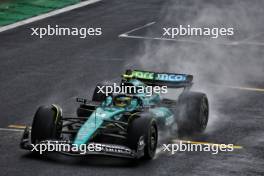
(172, 80)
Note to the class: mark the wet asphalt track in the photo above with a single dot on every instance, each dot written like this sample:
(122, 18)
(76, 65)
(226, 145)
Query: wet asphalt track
(55, 70)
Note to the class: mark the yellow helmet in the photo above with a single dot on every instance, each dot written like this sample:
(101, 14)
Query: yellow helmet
(122, 101)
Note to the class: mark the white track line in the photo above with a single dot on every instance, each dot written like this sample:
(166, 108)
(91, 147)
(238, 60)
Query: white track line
(235, 43)
(136, 29)
(240, 88)
(46, 15)
(177, 40)
(11, 129)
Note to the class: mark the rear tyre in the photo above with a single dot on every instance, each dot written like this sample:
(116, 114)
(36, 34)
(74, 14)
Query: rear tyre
(143, 135)
(47, 124)
(193, 113)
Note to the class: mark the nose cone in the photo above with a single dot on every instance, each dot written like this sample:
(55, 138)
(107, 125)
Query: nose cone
(95, 121)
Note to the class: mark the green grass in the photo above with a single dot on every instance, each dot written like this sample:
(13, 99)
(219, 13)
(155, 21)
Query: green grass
(16, 10)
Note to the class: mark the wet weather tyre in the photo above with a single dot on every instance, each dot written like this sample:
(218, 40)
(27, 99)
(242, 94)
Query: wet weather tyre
(193, 113)
(47, 124)
(143, 129)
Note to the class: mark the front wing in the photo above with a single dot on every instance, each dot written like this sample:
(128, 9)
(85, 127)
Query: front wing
(105, 149)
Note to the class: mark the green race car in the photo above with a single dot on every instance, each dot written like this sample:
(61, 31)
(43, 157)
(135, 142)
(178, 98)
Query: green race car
(122, 124)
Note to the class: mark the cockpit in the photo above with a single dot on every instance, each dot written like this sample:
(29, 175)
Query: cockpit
(128, 102)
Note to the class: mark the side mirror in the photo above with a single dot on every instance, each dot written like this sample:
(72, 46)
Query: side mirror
(81, 100)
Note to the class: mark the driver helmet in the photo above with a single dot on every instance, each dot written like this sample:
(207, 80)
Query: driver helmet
(122, 101)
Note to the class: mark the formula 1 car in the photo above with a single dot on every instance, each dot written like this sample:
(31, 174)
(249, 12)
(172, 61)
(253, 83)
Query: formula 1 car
(123, 125)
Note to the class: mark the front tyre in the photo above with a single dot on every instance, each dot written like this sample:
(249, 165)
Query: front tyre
(47, 124)
(143, 132)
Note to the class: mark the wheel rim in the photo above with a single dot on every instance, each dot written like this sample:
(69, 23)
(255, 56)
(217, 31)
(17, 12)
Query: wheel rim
(153, 139)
